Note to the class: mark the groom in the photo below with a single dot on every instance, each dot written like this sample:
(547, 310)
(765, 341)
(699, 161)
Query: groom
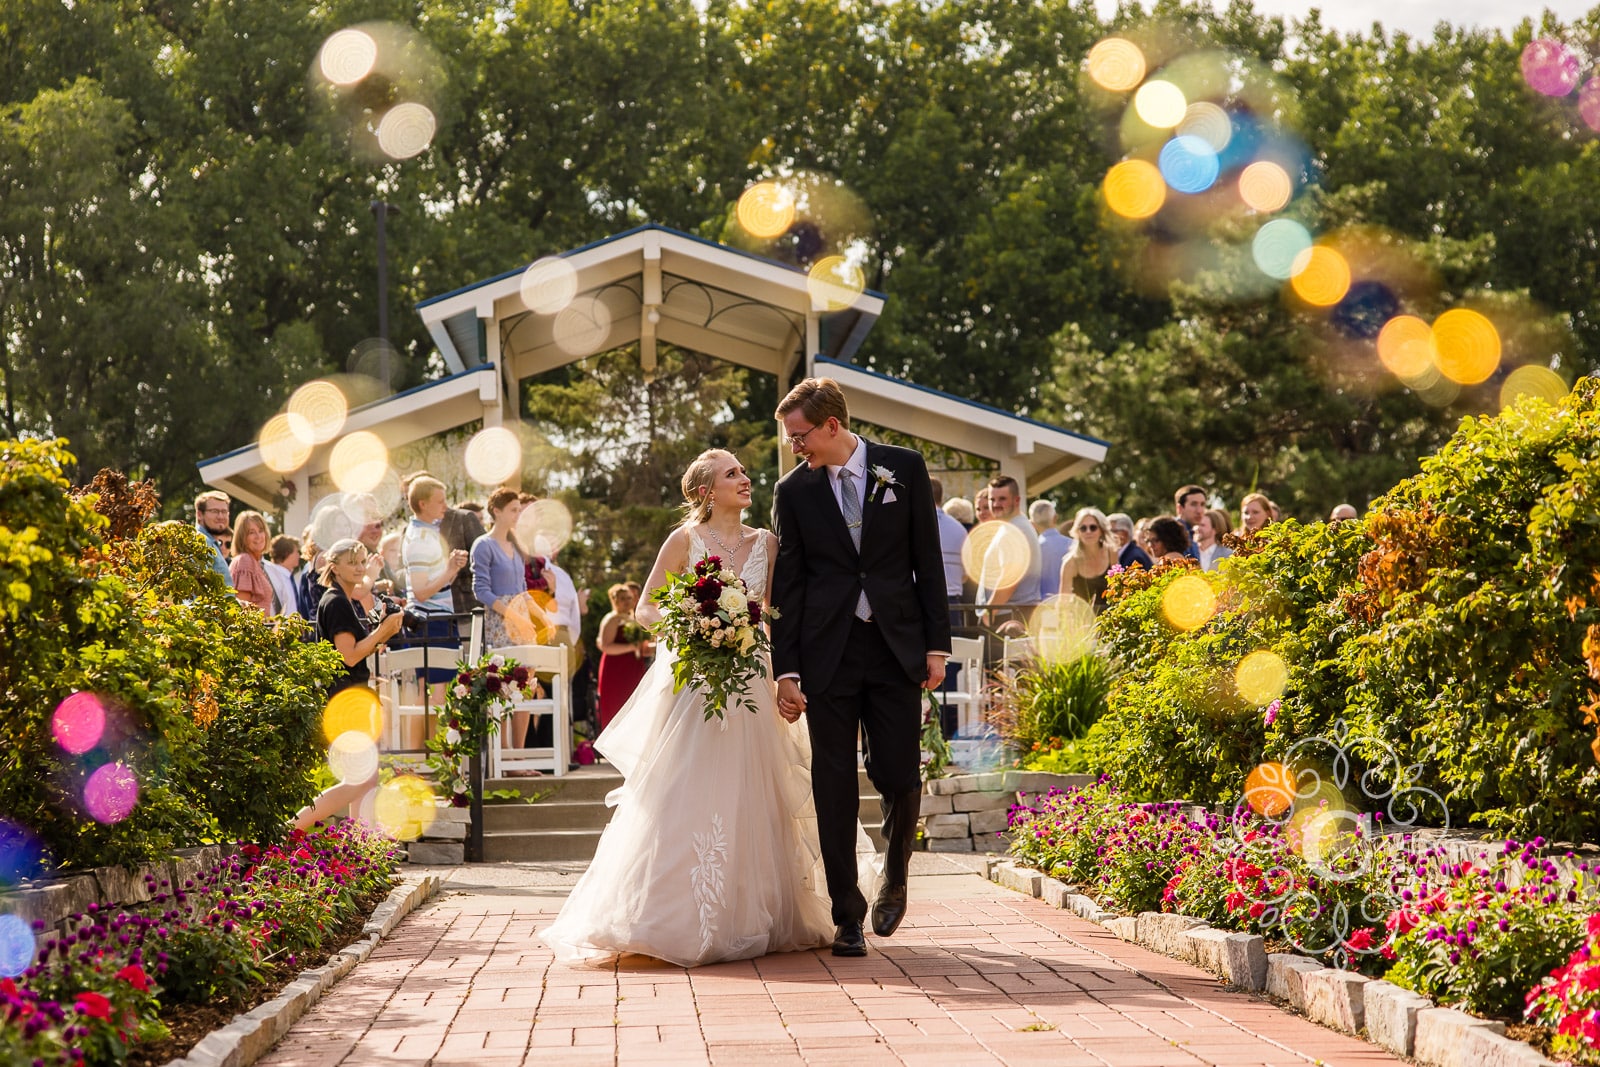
(859, 580)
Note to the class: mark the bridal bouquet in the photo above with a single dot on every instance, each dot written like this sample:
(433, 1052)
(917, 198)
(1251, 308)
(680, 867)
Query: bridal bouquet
(713, 625)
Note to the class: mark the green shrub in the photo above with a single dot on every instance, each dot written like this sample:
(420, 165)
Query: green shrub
(1057, 700)
(211, 706)
(1457, 626)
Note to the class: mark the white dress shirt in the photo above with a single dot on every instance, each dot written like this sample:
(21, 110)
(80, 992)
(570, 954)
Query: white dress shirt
(566, 595)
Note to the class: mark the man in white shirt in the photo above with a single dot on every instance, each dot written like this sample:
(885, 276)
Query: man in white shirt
(285, 557)
(1053, 547)
(1010, 600)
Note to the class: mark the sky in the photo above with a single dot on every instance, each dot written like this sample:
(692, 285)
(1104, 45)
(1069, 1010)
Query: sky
(1416, 17)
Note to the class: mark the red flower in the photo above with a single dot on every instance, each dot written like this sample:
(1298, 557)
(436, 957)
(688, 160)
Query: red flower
(94, 1005)
(492, 683)
(464, 678)
(1236, 900)
(519, 675)
(134, 975)
(708, 607)
(1403, 921)
(1257, 909)
(755, 612)
(250, 850)
(1361, 940)
(1594, 926)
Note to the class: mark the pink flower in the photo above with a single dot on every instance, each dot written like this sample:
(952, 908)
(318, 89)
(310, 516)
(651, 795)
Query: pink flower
(1272, 713)
(94, 1005)
(1361, 940)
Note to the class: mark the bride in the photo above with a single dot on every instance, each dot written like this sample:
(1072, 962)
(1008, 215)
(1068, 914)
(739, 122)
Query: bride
(712, 853)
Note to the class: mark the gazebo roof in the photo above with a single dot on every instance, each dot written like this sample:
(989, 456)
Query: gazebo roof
(707, 297)
(1046, 455)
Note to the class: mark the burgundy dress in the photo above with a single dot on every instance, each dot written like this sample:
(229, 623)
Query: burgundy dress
(619, 676)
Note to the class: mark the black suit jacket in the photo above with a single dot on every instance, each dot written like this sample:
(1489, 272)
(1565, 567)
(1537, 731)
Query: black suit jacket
(819, 575)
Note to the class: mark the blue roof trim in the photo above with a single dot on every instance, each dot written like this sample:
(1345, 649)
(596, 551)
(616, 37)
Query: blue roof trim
(430, 301)
(958, 399)
(415, 389)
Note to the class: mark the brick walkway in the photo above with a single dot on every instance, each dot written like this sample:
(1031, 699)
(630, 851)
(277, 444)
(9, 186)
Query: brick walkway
(976, 975)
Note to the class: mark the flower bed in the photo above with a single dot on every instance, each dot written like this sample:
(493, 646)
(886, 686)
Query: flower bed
(1511, 934)
(141, 983)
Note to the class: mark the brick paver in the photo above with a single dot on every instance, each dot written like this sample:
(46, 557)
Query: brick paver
(976, 975)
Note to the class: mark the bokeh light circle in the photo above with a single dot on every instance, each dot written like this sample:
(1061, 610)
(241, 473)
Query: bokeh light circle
(428, 552)
(766, 210)
(995, 555)
(347, 56)
(16, 945)
(493, 456)
(1261, 677)
(285, 444)
(1189, 164)
(544, 527)
(834, 283)
(1534, 381)
(406, 130)
(531, 618)
(353, 757)
(353, 710)
(1550, 67)
(1208, 122)
(582, 327)
(1160, 104)
(1135, 189)
(1320, 276)
(1188, 602)
(1405, 347)
(21, 853)
(404, 807)
(111, 793)
(358, 462)
(1116, 64)
(1466, 346)
(1269, 789)
(549, 285)
(1062, 628)
(1589, 104)
(79, 722)
(1278, 245)
(1265, 187)
(318, 409)
(330, 521)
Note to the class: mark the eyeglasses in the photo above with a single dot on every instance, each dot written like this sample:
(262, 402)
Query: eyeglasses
(220, 510)
(799, 440)
(1089, 527)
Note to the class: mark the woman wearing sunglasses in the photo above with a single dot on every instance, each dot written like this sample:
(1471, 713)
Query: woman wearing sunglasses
(1083, 571)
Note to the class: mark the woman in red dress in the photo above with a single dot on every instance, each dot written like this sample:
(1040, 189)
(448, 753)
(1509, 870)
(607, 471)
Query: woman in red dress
(624, 653)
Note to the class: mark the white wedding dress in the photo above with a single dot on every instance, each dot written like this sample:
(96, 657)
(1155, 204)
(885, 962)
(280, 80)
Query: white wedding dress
(712, 851)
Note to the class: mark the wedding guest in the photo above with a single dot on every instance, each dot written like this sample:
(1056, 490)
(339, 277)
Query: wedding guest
(431, 568)
(1129, 551)
(1053, 546)
(1189, 503)
(394, 568)
(308, 587)
(343, 623)
(623, 661)
(1343, 513)
(1011, 602)
(1208, 536)
(1083, 570)
(1272, 509)
(285, 557)
(249, 577)
(211, 520)
(1168, 540)
(952, 536)
(1256, 511)
(960, 509)
(983, 510)
(497, 567)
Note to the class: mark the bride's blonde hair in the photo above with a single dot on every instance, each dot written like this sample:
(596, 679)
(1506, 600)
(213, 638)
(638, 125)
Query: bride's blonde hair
(697, 483)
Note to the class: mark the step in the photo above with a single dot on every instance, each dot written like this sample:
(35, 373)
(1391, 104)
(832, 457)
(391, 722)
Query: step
(546, 815)
(587, 783)
(545, 846)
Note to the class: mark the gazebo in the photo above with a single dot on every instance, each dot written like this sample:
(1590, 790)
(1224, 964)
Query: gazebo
(654, 285)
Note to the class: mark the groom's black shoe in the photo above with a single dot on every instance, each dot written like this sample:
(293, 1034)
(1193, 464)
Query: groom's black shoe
(888, 910)
(848, 940)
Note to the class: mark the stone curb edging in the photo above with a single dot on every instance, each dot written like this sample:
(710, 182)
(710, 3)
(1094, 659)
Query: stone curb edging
(1399, 1020)
(248, 1037)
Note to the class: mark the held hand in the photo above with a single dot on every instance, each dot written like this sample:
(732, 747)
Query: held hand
(935, 672)
(390, 626)
(458, 559)
(791, 701)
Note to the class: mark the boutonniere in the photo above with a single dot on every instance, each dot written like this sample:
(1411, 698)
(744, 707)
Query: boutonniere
(883, 484)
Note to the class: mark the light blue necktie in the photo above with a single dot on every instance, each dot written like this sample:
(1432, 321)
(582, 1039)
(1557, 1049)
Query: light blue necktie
(850, 504)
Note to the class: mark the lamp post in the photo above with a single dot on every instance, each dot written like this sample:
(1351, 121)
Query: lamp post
(382, 211)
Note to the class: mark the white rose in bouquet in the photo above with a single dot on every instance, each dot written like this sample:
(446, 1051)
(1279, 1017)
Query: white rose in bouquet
(452, 737)
(732, 600)
(460, 690)
(497, 661)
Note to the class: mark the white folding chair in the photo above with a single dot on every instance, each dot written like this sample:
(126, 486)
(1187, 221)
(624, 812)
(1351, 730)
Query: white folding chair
(967, 699)
(1016, 652)
(403, 689)
(548, 660)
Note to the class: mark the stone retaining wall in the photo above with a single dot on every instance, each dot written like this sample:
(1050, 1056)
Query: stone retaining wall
(52, 900)
(969, 812)
(445, 841)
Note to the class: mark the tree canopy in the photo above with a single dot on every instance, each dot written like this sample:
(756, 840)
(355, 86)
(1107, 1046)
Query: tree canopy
(185, 233)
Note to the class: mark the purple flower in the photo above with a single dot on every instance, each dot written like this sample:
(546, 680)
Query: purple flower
(1272, 713)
